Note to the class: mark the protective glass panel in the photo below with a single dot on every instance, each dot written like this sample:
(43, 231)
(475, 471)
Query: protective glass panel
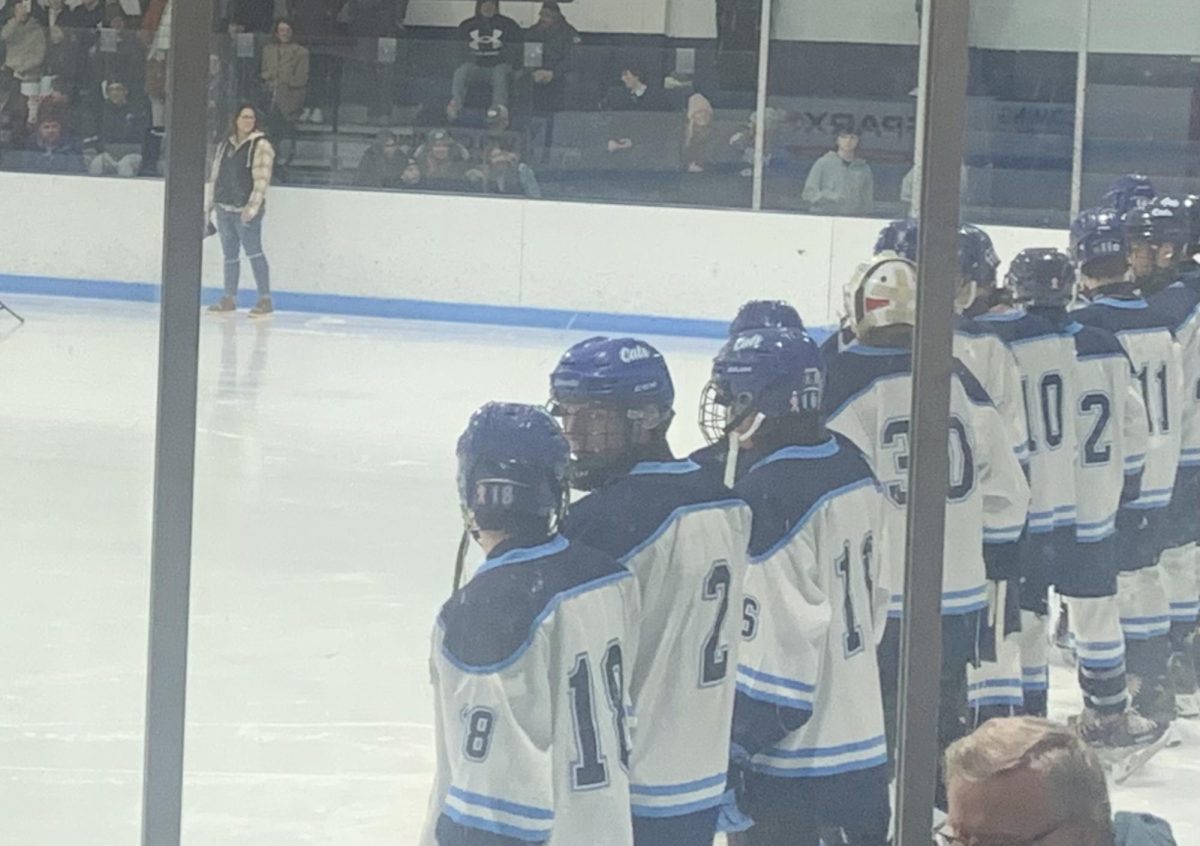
(78, 362)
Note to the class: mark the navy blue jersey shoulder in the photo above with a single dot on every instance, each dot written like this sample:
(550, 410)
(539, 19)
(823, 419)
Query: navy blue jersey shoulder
(1094, 342)
(969, 326)
(856, 368)
(492, 618)
(787, 486)
(620, 517)
(1178, 302)
(976, 393)
(711, 459)
(1123, 315)
(1016, 327)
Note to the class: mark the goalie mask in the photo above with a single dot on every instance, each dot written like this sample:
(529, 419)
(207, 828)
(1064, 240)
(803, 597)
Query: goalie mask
(885, 294)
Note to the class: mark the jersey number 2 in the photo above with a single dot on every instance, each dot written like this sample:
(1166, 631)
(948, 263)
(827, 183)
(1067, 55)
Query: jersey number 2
(590, 768)
(714, 659)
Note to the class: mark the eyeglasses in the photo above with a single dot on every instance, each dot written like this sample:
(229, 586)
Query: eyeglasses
(943, 835)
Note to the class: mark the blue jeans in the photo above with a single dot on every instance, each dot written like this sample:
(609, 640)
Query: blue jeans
(470, 73)
(236, 236)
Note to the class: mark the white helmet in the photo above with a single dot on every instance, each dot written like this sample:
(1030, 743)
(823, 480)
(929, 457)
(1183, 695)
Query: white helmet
(885, 293)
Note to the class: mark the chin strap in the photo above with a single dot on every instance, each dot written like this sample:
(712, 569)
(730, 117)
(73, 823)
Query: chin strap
(735, 444)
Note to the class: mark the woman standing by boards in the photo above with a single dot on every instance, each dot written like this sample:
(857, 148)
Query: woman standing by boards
(237, 193)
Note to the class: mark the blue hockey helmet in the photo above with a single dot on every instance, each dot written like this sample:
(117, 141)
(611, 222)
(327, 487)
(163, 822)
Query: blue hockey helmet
(977, 259)
(1097, 234)
(900, 237)
(1129, 192)
(1041, 276)
(513, 470)
(775, 372)
(755, 314)
(614, 396)
(1157, 234)
(760, 314)
(1162, 221)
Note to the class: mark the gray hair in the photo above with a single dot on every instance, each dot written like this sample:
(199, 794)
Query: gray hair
(1072, 769)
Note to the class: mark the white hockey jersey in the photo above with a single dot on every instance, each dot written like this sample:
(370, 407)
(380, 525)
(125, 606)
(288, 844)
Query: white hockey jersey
(869, 400)
(1181, 302)
(1157, 364)
(1045, 356)
(815, 607)
(994, 366)
(529, 665)
(683, 534)
(1112, 431)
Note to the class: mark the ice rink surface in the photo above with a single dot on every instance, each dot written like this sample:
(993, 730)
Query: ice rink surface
(325, 531)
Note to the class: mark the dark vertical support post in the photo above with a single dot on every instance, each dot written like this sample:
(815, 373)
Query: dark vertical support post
(943, 89)
(175, 435)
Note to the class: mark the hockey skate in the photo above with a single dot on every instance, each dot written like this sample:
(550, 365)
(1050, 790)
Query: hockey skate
(1183, 679)
(1061, 637)
(1155, 701)
(1125, 742)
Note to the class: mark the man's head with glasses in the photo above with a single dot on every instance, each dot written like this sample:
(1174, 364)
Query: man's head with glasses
(1023, 781)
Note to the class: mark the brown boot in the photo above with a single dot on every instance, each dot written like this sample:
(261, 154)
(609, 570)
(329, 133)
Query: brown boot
(224, 304)
(262, 308)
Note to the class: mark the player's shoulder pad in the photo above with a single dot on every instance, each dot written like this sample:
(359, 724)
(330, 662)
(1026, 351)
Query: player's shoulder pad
(630, 513)
(788, 487)
(491, 621)
(973, 328)
(974, 390)
(1096, 342)
(853, 371)
(1123, 315)
(1018, 327)
(711, 459)
(1176, 304)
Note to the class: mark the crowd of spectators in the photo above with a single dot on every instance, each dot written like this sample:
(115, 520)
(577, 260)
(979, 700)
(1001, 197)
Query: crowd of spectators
(83, 90)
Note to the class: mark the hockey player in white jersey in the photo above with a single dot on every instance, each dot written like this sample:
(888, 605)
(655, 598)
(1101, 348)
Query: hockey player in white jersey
(1100, 248)
(1170, 282)
(808, 726)
(984, 353)
(529, 657)
(1108, 415)
(683, 535)
(714, 420)
(1045, 356)
(869, 398)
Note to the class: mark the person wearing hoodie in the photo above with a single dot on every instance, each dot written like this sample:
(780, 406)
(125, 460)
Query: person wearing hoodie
(122, 128)
(1029, 781)
(492, 43)
(237, 192)
(840, 182)
(558, 39)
